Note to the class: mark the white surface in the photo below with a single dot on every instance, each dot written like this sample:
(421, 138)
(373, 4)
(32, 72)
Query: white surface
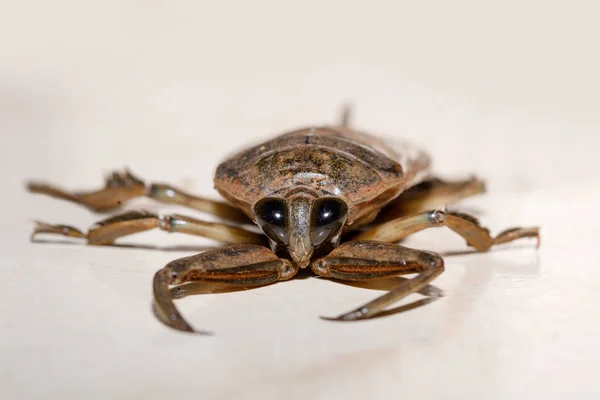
(508, 92)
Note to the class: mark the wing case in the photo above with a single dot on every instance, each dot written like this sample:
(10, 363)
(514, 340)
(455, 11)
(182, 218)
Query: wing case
(363, 170)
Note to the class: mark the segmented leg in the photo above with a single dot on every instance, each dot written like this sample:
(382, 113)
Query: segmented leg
(429, 195)
(121, 187)
(248, 265)
(362, 260)
(107, 230)
(465, 225)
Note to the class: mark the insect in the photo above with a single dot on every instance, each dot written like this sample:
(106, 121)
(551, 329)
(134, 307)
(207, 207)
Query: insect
(328, 198)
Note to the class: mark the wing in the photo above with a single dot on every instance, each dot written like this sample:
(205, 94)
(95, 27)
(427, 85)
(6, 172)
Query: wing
(415, 163)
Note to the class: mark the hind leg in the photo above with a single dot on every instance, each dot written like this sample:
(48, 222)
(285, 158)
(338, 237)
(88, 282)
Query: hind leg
(108, 230)
(429, 195)
(464, 225)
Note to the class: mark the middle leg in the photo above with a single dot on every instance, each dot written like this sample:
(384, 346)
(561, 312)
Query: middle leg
(122, 186)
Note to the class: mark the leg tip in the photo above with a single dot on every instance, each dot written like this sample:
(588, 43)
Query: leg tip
(538, 238)
(174, 320)
(189, 330)
(179, 324)
(63, 230)
(329, 318)
(355, 315)
(36, 187)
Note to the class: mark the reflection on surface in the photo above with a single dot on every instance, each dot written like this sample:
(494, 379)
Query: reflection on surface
(390, 284)
(459, 301)
(479, 270)
(196, 288)
(141, 246)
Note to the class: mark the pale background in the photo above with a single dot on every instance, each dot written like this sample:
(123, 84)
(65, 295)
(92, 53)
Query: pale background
(508, 90)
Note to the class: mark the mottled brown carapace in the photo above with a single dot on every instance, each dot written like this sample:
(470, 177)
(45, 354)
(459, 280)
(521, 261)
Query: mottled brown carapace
(329, 199)
(363, 170)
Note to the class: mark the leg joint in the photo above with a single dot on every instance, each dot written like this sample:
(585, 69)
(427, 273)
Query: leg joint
(436, 217)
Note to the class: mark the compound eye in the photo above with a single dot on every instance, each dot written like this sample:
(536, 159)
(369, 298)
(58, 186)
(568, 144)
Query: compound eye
(271, 217)
(328, 217)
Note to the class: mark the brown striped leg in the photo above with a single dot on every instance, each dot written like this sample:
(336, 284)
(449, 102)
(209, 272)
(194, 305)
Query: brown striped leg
(431, 194)
(362, 260)
(465, 225)
(121, 187)
(247, 265)
(106, 231)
